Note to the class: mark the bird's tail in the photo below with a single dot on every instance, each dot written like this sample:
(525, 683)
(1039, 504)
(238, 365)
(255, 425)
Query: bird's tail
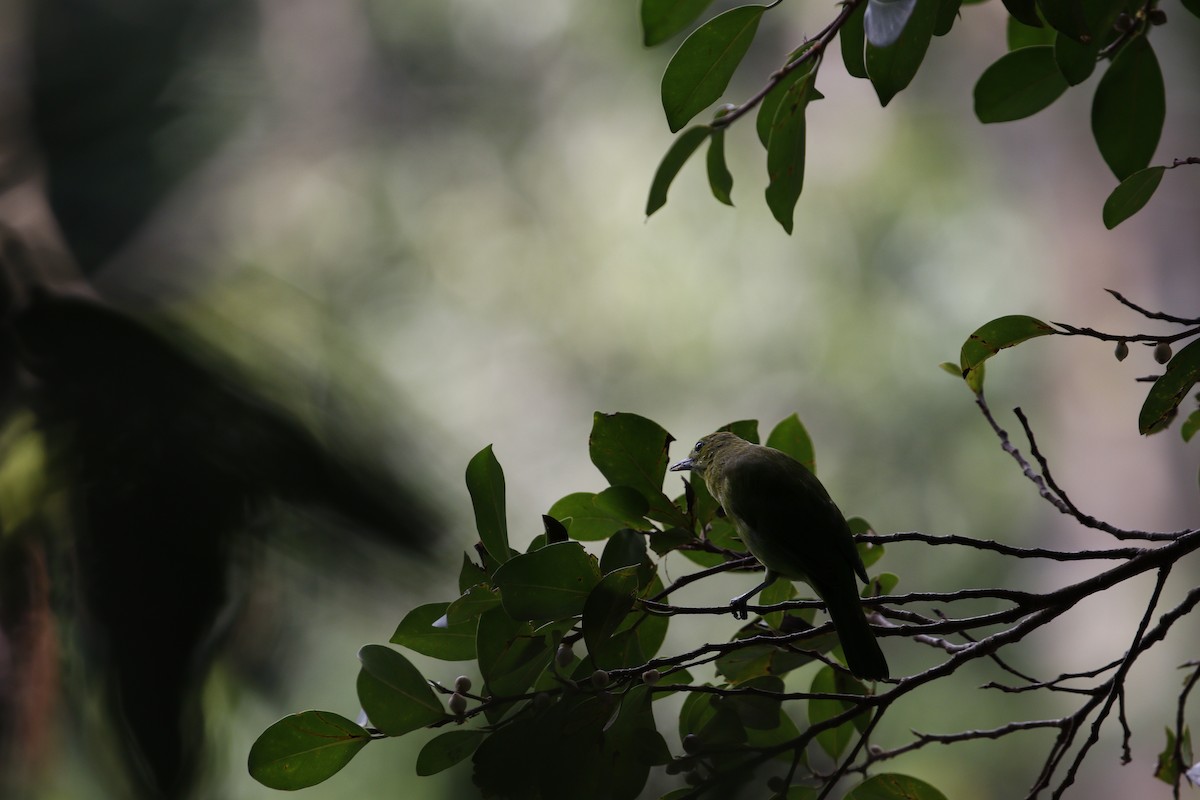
(863, 656)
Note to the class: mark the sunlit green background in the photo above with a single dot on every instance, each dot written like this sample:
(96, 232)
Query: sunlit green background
(448, 197)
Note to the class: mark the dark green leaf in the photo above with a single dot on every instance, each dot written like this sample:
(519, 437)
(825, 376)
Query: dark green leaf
(395, 696)
(891, 786)
(510, 654)
(1162, 403)
(720, 180)
(996, 335)
(670, 540)
(607, 606)
(1169, 770)
(830, 681)
(785, 151)
(450, 643)
(1192, 6)
(630, 450)
(791, 437)
(1129, 108)
(892, 68)
(555, 531)
(1067, 17)
(470, 574)
(1021, 83)
(627, 548)
(885, 20)
(444, 751)
(592, 517)
(550, 583)
(301, 750)
(1022, 35)
(1024, 11)
(948, 13)
(472, 603)
(485, 482)
(853, 40)
(758, 711)
(700, 70)
(780, 591)
(681, 150)
(1075, 61)
(1131, 195)
(632, 745)
(662, 19)
(744, 428)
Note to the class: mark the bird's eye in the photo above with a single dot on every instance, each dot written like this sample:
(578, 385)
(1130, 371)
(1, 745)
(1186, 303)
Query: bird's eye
(698, 447)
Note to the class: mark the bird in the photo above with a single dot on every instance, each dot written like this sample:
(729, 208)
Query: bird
(787, 519)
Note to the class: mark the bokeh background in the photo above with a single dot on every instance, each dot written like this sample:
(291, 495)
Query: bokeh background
(433, 212)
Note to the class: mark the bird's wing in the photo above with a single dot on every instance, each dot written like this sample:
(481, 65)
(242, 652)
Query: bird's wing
(797, 526)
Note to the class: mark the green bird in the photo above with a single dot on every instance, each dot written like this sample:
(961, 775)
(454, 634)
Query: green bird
(788, 521)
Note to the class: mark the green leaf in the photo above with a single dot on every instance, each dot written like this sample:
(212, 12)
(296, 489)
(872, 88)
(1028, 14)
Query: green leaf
(758, 711)
(1190, 426)
(829, 681)
(891, 786)
(510, 655)
(1165, 395)
(451, 643)
(473, 602)
(853, 40)
(591, 517)
(699, 72)
(485, 482)
(791, 437)
(769, 106)
(1021, 35)
(301, 750)
(1021, 83)
(1086, 21)
(892, 68)
(1075, 61)
(993, 337)
(1192, 6)
(444, 751)
(1024, 11)
(394, 694)
(1131, 195)
(632, 744)
(678, 154)
(550, 583)
(745, 428)
(1169, 770)
(948, 13)
(720, 180)
(630, 450)
(662, 19)
(885, 20)
(607, 606)
(779, 591)
(785, 151)
(471, 574)
(627, 549)
(1068, 17)
(1129, 108)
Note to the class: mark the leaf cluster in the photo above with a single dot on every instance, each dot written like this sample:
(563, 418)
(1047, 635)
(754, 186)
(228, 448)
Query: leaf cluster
(568, 645)
(1053, 45)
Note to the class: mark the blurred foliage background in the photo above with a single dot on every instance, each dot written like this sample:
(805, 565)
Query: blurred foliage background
(418, 226)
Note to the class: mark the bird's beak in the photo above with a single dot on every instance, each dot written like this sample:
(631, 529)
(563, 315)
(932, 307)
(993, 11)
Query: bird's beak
(686, 464)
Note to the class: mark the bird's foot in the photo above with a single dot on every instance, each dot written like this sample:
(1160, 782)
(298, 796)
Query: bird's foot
(738, 606)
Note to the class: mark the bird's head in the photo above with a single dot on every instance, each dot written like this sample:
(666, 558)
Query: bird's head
(709, 450)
